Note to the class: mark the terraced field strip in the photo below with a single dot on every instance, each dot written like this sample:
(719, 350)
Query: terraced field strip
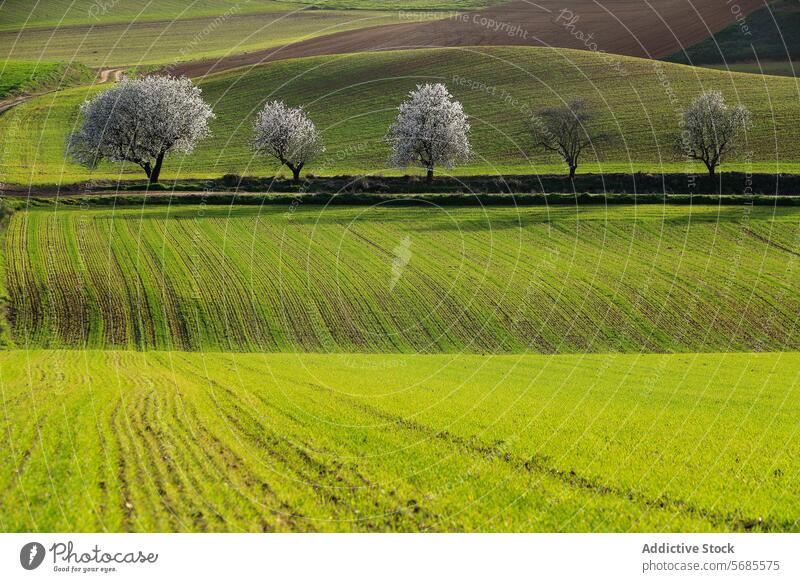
(393, 279)
(17, 14)
(166, 42)
(638, 113)
(127, 441)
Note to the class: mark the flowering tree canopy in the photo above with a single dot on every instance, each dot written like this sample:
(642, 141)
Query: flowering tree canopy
(711, 129)
(141, 121)
(287, 134)
(431, 129)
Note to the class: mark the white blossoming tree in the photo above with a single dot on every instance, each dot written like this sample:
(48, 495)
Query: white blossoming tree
(141, 121)
(288, 135)
(431, 130)
(712, 129)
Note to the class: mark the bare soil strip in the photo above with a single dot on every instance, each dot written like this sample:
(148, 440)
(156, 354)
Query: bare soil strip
(640, 29)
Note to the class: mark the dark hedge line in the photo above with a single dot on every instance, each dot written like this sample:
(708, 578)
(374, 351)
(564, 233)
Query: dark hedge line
(726, 183)
(292, 201)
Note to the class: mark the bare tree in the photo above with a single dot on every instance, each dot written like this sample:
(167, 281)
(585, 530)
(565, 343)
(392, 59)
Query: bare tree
(712, 129)
(141, 121)
(562, 130)
(431, 129)
(287, 134)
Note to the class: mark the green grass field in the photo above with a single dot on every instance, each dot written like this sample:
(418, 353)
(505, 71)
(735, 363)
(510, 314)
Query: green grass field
(772, 34)
(402, 4)
(19, 77)
(410, 280)
(16, 14)
(124, 441)
(355, 427)
(353, 99)
(169, 41)
(294, 367)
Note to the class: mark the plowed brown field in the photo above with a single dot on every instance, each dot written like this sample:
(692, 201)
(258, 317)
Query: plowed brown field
(641, 29)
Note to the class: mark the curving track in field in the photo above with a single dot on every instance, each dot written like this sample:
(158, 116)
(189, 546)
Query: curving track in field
(650, 29)
(141, 442)
(107, 75)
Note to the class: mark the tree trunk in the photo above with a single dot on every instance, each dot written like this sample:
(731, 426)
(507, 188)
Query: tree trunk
(430, 176)
(712, 169)
(295, 171)
(572, 172)
(156, 172)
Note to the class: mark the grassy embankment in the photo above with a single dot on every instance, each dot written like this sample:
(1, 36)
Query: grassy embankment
(353, 99)
(25, 77)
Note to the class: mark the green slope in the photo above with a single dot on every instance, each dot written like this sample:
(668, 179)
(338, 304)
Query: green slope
(20, 77)
(442, 5)
(770, 41)
(169, 41)
(15, 14)
(383, 279)
(121, 441)
(353, 99)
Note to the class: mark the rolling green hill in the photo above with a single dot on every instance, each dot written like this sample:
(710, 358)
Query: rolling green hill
(20, 77)
(769, 43)
(441, 5)
(170, 41)
(298, 367)
(15, 14)
(353, 99)
(387, 279)
(122, 441)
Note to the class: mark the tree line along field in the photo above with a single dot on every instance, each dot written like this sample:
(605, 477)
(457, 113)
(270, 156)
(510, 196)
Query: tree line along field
(639, 113)
(167, 441)
(408, 280)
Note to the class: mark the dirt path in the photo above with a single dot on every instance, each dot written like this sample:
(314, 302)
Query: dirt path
(645, 28)
(112, 74)
(7, 104)
(104, 77)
